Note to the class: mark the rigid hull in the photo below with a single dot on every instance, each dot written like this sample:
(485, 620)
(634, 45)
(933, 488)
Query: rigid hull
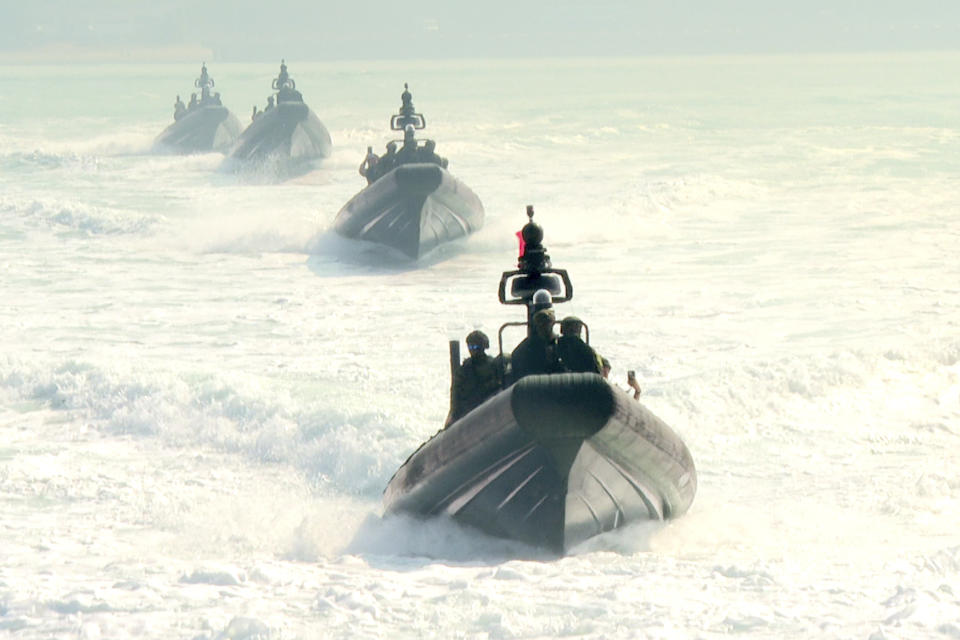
(413, 209)
(551, 461)
(203, 128)
(288, 130)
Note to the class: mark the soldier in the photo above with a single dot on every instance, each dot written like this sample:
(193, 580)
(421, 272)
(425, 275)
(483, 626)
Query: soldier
(369, 165)
(575, 354)
(633, 384)
(179, 108)
(408, 152)
(631, 378)
(428, 153)
(605, 367)
(478, 378)
(385, 163)
(538, 352)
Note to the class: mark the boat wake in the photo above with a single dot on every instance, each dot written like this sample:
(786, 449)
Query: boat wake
(443, 539)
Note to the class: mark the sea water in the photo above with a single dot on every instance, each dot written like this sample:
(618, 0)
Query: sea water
(204, 391)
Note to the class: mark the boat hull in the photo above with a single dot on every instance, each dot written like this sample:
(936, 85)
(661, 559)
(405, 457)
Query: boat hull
(206, 128)
(551, 461)
(289, 130)
(413, 209)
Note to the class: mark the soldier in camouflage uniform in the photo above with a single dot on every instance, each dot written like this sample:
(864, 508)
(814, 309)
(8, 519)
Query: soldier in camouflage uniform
(368, 168)
(575, 354)
(537, 354)
(477, 379)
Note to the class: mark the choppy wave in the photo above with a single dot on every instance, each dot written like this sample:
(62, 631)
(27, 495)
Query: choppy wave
(192, 419)
(354, 451)
(47, 160)
(276, 168)
(79, 218)
(135, 141)
(84, 139)
(261, 239)
(346, 452)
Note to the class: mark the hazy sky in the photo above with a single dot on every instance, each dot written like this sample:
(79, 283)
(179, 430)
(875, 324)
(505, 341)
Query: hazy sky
(248, 30)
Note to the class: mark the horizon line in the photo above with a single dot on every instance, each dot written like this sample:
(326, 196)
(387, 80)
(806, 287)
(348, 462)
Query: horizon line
(177, 54)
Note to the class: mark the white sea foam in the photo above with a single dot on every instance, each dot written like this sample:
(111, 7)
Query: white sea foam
(70, 216)
(203, 390)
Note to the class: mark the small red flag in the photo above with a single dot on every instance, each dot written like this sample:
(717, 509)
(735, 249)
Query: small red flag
(523, 245)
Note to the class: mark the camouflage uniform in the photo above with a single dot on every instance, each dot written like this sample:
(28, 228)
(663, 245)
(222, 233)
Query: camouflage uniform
(537, 353)
(477, 379)
(577, 356)
(535, 356)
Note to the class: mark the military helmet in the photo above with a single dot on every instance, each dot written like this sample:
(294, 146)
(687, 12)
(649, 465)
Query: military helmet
(570, 326)
(478, 338)
(544, 316)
